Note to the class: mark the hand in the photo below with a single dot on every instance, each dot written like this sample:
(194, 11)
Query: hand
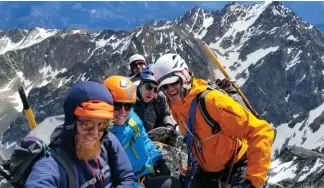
(245, 184)
(161, 168)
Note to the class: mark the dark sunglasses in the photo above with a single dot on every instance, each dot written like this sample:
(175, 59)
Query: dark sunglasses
(136, 64)
(149, 87)
(165, 87)
(119, 105)
(88, 125)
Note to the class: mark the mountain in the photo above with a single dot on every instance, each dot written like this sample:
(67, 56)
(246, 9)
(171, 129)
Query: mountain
(298, 167)
(276, 58)
(61, 58)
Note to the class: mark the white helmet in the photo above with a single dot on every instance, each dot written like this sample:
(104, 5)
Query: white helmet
(169, 67)
(136, 57)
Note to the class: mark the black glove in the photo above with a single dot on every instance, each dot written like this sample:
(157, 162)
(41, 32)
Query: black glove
(161, 168)
(173, 132)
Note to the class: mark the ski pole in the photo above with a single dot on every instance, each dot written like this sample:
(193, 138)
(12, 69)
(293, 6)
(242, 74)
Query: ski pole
(212, 56)
(28, 111)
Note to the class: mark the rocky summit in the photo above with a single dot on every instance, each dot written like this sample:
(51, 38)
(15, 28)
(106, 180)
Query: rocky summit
(276, 58)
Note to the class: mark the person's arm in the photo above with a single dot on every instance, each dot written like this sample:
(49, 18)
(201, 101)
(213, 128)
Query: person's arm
(44, 173)
(237, 121)
(121, 169)
(164, 111)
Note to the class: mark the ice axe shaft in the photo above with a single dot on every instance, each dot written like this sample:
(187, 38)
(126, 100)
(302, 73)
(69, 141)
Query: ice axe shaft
(212, 56)
(28, 111)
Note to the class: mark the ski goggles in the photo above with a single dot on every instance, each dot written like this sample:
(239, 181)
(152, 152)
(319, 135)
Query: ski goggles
(166, 86)
(88, 125)
(149, 87)
(119, 105)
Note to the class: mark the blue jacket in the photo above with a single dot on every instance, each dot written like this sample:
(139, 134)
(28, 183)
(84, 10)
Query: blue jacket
(146, 152)
(47, 172)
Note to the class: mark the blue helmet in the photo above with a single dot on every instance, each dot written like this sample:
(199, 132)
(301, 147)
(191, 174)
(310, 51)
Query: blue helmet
(147, 74)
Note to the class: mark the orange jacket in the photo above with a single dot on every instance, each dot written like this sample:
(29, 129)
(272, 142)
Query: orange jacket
(235, 121)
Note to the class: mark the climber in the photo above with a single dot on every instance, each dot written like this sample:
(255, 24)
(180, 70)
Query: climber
(148, 164)
(84, 139)
(150, 105)
(137, 63)
(229, 144)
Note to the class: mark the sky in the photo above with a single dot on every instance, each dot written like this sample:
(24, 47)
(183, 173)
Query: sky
(118, 14)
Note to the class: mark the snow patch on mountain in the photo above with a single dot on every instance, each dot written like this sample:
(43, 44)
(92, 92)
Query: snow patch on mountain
(301, 134)
(49, 74)
(207, 21)
(318, 166)
(235, 66)
(243, 22)
(34, 36)
(282, 170)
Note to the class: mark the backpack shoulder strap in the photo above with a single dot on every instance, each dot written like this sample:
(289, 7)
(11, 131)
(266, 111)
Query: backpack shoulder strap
(108, 155)
(202, 106)
(67, 164)
(134, 126)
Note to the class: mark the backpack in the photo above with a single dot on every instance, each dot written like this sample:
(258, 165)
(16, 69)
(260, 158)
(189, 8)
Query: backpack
(34, 146)
(230, 91)
(189, 139)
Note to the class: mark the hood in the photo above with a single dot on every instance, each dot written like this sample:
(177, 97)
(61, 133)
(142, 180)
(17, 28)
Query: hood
(82, 92)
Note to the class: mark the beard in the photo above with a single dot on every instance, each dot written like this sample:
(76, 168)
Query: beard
(85, 151)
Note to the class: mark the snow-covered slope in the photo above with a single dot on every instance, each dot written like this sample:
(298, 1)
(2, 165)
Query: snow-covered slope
(276, 58)
(28, 39)
(248, 40)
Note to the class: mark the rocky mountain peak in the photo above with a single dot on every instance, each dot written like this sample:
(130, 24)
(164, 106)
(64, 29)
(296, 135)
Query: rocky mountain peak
(276, 58)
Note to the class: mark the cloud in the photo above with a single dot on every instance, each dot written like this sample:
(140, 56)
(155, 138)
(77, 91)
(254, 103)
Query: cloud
(77, 6)
(93, 11)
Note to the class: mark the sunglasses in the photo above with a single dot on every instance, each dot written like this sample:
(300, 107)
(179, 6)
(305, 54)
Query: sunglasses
(119, 105)
(165, 87)
(149, 87)
(88, 125)
(136, 64)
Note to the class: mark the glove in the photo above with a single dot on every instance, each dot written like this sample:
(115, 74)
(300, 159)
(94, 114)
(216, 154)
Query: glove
(245, 184)
(173, 132)
(161, 168)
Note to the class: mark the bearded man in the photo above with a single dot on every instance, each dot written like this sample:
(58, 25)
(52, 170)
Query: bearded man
(96, 156)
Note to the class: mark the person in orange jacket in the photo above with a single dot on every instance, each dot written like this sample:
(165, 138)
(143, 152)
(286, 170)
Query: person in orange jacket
(236, 152)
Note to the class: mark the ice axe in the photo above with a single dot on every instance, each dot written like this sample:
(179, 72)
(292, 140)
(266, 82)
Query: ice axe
(212, 56)
(28, 111)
